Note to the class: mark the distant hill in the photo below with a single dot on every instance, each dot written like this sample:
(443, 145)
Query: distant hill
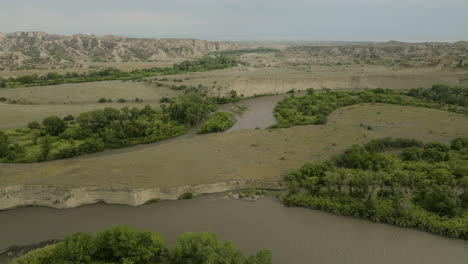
(39, 48)
(392, 53)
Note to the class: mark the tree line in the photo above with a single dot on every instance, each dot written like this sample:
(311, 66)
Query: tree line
(314, 107)
(397, 181)
(215, 61)
(123, 245)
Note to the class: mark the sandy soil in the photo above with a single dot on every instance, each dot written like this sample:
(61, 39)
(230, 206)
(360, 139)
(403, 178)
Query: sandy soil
(274, 77)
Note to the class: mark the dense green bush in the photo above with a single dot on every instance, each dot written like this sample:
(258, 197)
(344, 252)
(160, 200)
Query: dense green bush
(186, 196)
(54, 125)
(218, 122)
(97, 130)
(188, 109)
(313, 108)
(123, 245)
(406, 188)
(4, 144)
(443, 93)
(34, 125)
(199, 248)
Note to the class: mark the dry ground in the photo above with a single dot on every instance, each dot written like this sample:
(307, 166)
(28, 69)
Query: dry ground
(246, 154)
(268, 73)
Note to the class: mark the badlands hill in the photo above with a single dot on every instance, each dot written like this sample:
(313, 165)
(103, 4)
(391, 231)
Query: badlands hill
(36, 48)
(393, 53)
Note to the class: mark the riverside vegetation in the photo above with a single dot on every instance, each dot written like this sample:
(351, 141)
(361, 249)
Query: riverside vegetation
(314, 108)
(123, 245)
(97, 130)
(218, 122)
(397, 181)
(215, 61)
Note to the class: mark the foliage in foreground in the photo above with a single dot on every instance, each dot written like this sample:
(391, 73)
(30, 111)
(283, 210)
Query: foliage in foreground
(123, 245)
(218, 122)
(314, 108)
(97, 130)
(425, 186)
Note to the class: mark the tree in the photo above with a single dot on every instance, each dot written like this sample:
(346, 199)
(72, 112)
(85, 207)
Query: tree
(440, 199)
(262, 257)
(46, 145)
(459, 143)
(34, 125)
(54, 125)
(204, 248)
(77, 248)
(412, 153)
(3, 144)
(69, 118)
(123, 243)
(53, 76)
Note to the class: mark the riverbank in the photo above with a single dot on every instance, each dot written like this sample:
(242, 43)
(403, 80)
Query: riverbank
(61, 198)
(215, 162)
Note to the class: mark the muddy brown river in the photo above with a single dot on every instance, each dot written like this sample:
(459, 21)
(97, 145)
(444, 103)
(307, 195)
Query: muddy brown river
(295, 235)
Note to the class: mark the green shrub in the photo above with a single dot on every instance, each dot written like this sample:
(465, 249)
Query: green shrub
(218, 122)
(164, 100)
(153, 200)
(69, 118)
(54, 125)
(4, 144)
(187, 195)
(34, 125)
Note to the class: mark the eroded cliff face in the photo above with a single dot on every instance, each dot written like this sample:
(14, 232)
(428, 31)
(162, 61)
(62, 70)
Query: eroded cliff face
(63, 197)
(33, 48)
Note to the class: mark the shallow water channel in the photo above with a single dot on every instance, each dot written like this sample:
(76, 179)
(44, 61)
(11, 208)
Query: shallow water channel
(295, 235)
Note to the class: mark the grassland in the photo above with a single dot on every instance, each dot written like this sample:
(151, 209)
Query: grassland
(72, 99)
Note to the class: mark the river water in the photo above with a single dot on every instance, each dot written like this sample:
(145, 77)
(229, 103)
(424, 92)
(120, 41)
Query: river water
(295, 235)
(259, 112)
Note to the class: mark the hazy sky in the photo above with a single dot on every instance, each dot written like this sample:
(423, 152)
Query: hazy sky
(407, 20)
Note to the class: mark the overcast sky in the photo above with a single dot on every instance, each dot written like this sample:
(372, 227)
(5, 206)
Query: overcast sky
(378, 20)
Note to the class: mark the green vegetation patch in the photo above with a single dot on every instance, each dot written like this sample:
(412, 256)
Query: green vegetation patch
(218, 122)
(123, 245)
(423, 186)
(314, 108)
(186, 196)
(97, 130)
(251, 193)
